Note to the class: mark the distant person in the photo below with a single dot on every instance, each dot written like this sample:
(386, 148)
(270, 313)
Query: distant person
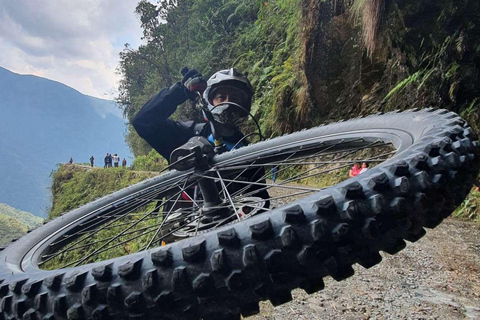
(70, 161)
(91, 161)
(355, 170)
(364, 167)
(109, 157)
(274, 171)
(116, 160)
(124, 163)
(105, 160)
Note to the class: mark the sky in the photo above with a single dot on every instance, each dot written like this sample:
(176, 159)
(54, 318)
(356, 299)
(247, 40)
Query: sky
(73, 42)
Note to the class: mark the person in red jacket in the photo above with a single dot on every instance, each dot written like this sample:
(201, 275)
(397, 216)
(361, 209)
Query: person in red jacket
(355, 170)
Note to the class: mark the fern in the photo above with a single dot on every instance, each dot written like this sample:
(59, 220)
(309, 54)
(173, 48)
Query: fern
(402, 85)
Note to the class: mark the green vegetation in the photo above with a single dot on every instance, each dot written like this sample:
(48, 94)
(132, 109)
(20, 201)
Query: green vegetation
(73, 186)
(10, 229)
(258, 37)
(470, 207)
(150, 162)
(23, 217)
(130, 241)
(14, 223)
(403, 84)
(309, 61)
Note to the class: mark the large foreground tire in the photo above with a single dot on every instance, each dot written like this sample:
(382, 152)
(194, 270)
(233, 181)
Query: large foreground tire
(223, 273)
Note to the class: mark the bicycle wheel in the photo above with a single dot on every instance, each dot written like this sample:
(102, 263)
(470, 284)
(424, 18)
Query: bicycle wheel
(155, 250)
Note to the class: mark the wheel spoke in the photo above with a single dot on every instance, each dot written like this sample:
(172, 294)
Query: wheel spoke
(258, 180)
(300, 177)
(263, 184)
(103, 249)
(272, 164)
(110, 223)
(269, 186)
(164, 219)
(97, 250)
(229, 197)
(323, 151)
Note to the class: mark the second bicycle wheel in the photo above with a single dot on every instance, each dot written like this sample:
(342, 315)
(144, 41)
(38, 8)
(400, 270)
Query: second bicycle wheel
(157, 250)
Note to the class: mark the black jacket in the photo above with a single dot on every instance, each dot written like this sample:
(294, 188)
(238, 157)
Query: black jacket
(163, 134)
(153, 125)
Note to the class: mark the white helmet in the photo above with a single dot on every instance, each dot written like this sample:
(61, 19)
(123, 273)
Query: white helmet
(229, 78)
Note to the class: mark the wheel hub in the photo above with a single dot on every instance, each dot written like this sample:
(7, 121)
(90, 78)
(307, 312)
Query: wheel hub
(197, 222)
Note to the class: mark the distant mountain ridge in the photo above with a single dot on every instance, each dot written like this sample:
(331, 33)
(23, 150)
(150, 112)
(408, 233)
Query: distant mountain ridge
(25, 218)
(15, 223)
(43, 123)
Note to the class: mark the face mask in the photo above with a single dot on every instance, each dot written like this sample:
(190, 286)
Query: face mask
(229, 113)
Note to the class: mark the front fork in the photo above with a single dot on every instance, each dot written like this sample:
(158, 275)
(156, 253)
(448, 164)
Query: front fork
(210, 194)
(197, 154)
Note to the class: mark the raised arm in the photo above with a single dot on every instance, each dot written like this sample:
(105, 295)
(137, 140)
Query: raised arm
(153, 125)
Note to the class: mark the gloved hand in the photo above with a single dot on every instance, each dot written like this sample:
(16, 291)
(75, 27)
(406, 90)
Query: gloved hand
(193, 82)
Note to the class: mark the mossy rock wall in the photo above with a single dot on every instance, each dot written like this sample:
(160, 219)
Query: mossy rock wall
(427, 54)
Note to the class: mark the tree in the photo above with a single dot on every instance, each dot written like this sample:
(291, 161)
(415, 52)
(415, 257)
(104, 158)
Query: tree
(257, 36)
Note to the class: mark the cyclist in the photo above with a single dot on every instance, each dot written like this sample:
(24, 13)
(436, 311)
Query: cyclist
(152, 122)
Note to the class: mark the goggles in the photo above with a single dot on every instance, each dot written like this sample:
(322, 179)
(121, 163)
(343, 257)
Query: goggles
(228, 93)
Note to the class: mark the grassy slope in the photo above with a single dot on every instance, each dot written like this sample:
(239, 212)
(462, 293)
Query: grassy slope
(73, 186)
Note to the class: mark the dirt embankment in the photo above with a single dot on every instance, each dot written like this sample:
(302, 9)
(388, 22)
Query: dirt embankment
(437, 277)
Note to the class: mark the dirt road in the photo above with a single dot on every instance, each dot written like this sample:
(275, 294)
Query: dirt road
(437, 277)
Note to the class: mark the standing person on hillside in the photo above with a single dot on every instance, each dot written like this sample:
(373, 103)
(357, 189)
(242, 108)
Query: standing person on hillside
(70, 161)
(152, 122)
(91, 161)
(274, 171)
(116, 160)
(105, 160)
(109, 160)
(124, 163)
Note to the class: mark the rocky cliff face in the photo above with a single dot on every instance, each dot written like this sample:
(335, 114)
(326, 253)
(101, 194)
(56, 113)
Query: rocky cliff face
(421, 54)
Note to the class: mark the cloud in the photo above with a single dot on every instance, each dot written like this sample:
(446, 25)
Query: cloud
(74, 42)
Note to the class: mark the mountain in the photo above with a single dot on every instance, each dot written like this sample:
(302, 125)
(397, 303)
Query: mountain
(15, 223)
(25, 218)
(44, 123)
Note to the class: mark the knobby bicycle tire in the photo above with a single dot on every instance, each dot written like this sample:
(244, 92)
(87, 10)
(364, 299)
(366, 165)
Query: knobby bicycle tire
(224, 273)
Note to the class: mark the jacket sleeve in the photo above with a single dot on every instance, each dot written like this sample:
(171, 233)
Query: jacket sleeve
(153, 125)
